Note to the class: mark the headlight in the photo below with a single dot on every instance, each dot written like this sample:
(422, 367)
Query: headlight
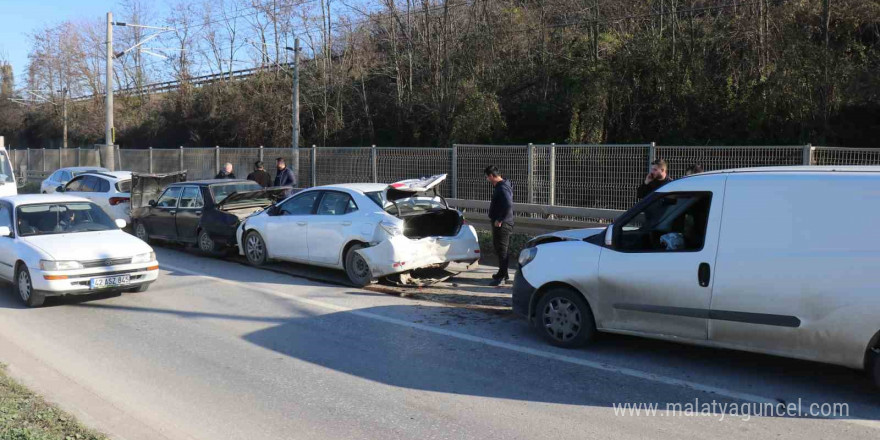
(60, 265)
(143, 258)
(527, 255)
(391, 228)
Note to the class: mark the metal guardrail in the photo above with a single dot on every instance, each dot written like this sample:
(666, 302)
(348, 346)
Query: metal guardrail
(539, 217)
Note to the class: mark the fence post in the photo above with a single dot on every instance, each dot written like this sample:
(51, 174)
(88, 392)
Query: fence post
(652, 154)
(454, 170)
(808, 154)
(78, 154)
(60, 156)
(181, 158)
(117, 164)
(216, 160)
(552, 200)
(27, 159)
(261, 155)
(151, 160)
(314, 165)
(531, 173)
(43, 160)
(374, 163)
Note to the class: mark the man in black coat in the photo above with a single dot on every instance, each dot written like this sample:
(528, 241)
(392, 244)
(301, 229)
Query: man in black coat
(260, 175)
(655, 179)
(226, 172)
(501, 216)
(284, 176)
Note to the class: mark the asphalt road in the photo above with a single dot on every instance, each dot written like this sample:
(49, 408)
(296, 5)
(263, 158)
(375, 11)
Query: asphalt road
(218, 350)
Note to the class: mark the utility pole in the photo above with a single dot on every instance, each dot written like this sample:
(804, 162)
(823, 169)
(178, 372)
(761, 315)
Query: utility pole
(107, 151)
(64, 116)
(294, 157)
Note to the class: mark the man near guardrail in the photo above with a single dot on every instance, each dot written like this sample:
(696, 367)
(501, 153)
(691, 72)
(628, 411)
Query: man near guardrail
(284, 176)
(226, 172)
(260, 175)
(655, 179)
(501, 216)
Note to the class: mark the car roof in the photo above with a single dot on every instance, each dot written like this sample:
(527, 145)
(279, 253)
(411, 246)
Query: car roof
(118, 175)
(29, 199)
(800, 169)
(359, 187)
(207, 182)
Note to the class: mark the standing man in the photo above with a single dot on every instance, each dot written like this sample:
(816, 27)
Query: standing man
(260, 175)
(655, 179)
(226, 172)
(693, 169)
(501, 216)
(284, 176)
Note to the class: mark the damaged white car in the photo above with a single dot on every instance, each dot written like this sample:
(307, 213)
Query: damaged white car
(370, 230)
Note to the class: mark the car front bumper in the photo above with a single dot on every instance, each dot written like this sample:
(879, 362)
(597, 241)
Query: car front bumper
(78, 281)
(401, 254)
(522, 294)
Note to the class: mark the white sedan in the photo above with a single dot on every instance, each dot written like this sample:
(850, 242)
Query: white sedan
(370, 230)
(63, 175)
(57, 245)
(111, 190)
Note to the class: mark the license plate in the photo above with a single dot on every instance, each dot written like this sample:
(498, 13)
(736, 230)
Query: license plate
(107, 282)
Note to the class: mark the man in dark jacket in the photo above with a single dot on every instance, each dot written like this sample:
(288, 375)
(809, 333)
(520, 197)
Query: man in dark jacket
(260, 175)
(501, 216)
(655, 179)
(284, 176)
(226, 172)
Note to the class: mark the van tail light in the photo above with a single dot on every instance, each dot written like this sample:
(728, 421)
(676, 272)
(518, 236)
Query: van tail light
(117, 200)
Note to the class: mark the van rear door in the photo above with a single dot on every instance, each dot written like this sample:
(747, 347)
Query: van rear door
(656, 277)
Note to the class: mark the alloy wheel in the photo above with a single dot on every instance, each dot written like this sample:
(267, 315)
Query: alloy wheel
(254, 248)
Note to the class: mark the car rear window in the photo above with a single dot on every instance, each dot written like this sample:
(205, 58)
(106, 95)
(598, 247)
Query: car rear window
(123, 186)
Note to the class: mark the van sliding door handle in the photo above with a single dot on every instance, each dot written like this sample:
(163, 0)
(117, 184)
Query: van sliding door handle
(704, 273)
(346, 223)
(301, 223)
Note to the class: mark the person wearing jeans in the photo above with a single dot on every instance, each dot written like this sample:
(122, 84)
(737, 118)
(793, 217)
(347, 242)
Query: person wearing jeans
(501, 216)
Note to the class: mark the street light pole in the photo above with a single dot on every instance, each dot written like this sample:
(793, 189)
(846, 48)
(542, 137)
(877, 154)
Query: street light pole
(64, 116)
(294, 157)
(108, 150)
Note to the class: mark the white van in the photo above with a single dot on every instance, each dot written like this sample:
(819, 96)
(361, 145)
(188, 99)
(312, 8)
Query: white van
(783, 261)
(8, 186)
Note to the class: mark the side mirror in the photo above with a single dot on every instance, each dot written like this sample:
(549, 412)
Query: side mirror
(59, 188)
(609, 235)
(120, 223)
(152, 203)
(5, 231)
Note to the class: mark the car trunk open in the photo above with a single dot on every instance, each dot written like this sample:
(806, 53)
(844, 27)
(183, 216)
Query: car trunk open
(423, 211)
(146, 187)
(244, 203)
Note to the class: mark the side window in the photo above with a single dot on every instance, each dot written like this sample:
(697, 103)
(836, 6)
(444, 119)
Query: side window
(300, 205)
(670, 223)
(103, 185)
(56, 176)
(334, 203)
(90, 184)
(352, 206)
(168, 199)
(191, 197)
(65, 176)
(5, 216)
(75, 184)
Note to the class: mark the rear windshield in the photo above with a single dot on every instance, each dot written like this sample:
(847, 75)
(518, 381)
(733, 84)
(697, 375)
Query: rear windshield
(123, 186)
(378, 197)
(223, 190)
(61, 218)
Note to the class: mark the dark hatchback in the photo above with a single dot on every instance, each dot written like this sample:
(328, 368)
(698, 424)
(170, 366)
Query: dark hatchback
(204, 212)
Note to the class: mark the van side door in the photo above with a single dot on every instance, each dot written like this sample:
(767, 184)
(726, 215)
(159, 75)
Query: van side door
(656, 277)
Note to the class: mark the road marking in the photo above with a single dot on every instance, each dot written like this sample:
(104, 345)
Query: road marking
(666, 380)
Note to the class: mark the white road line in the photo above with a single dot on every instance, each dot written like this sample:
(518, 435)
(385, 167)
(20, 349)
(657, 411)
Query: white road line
(666, 380)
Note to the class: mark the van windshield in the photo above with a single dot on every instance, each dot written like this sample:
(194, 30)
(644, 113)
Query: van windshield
(6, 174)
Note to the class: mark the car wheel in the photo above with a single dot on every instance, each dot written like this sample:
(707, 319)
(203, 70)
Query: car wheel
(140, 231)
(356, 267)
(564, 318)
(255, 248)
(206, 243)
(25, 288)
(141, 288)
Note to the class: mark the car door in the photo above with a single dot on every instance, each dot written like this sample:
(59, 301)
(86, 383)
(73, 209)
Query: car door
(83, 186)
(656, 276)
(329, 229)
(287, 230)
(101, 194)
(7, 244)
(189, 212)
(160, 221)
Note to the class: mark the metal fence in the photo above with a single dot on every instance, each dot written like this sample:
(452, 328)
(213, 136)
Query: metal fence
(590, 176)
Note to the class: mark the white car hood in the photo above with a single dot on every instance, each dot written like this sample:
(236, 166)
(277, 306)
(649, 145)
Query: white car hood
(574, 234)
(84, 246)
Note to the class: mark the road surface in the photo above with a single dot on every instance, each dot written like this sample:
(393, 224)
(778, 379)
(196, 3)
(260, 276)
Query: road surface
(219, 350)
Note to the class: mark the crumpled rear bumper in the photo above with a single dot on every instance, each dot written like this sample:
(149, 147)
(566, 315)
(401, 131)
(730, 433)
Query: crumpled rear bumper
(401, 254)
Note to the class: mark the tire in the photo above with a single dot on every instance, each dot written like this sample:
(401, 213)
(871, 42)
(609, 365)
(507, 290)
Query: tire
(140, 231)
(255, 248)
(356, 268)
(564, 318)
(24, 288)
(206, 244)
(140, 288)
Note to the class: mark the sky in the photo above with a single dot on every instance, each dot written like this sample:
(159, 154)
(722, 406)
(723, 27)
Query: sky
(21, 17)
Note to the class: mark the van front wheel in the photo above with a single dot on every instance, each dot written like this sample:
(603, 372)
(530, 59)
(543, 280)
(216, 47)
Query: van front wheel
(564, 318)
